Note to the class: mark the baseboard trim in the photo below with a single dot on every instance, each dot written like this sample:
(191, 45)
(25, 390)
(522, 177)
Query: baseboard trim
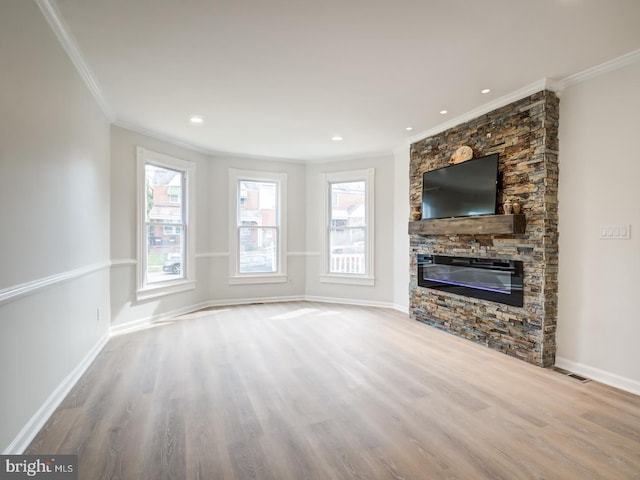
(348, 301)
(297, 298)
(162, 317)
(249, 301)
(602, 376)
(38, 419)
(129, 326)
(401, 308)
(147, 321)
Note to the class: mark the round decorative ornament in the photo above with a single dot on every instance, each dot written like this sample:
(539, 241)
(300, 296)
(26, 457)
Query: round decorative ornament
(462, 154)
(516, 206)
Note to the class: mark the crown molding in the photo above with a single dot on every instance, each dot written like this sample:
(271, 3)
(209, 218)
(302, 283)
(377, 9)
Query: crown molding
(132, 127)
(354, 156)
(54, 18)
(554, 85)
(535, 87)
(231, 155)
(606, 67)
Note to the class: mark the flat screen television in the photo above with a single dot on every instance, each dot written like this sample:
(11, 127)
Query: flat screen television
(461, 190)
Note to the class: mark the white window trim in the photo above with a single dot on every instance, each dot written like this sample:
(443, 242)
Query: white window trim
(146, 291)
(280, 275)
(368, 278)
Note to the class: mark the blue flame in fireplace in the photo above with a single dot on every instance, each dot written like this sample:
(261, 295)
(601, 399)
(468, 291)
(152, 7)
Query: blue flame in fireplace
(477, 287)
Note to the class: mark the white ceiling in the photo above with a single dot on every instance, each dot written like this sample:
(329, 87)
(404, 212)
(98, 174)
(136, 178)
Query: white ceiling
(280, 78)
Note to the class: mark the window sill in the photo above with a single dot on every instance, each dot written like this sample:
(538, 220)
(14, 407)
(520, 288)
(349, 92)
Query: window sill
(161, 289)
(256, 279)
(348, 279)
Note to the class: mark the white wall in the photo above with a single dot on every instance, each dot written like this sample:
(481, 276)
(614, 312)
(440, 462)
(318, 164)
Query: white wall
(212, 250)
(599, 318)
(125, 309)
(221, 291)
(54, 192)
(400, 229)
(382, 292)
(304, 197)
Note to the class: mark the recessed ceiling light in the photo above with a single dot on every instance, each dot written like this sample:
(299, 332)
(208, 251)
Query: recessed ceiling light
(337, 138)
(196, 119)
(485, 91)
(408, 129)
(443, 112)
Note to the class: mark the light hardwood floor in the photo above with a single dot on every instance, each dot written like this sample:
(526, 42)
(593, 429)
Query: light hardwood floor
(319, 391)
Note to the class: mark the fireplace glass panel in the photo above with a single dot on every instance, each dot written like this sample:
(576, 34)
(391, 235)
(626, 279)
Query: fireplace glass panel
(490, 279)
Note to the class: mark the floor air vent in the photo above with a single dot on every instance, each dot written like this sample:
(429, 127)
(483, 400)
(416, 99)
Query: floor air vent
(578, 377)
(574, 376)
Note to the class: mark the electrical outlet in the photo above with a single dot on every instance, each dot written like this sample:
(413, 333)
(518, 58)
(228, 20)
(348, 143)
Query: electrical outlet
(98, 314)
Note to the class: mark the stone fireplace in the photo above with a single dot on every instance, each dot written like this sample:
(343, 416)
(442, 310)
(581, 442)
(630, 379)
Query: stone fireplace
(525, 135)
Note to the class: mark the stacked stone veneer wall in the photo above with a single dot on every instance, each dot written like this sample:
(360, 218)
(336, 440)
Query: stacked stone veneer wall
(525, 134)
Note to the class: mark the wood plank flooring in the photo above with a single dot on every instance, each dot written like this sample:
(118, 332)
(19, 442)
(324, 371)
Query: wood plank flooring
(318, 391)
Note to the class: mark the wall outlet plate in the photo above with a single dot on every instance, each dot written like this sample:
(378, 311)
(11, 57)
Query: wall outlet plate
(615, 232)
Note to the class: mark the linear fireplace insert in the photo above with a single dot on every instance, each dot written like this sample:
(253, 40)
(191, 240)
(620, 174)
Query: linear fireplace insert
(486, 278)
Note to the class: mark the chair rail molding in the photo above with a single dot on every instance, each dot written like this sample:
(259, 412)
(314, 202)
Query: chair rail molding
(17, 291)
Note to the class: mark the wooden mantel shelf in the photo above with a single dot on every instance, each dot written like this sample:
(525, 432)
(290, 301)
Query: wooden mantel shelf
(480, 225)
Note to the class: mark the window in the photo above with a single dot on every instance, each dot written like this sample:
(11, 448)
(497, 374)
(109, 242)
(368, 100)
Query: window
(165, 225)
(347, 253)
(257, 231)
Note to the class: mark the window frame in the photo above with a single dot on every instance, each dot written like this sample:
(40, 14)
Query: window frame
(235, 201)
(188, 169)
(329, 178)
